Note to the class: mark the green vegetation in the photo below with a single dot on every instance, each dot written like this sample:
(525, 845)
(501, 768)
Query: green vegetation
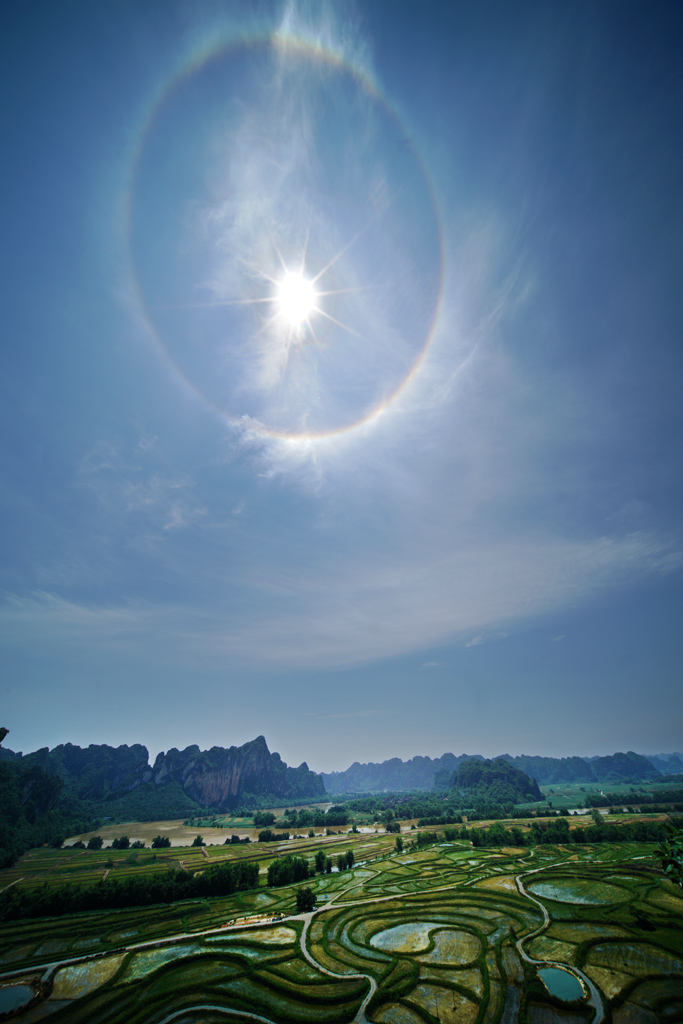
(268, 836)
(495, 781)
(671, 851)
(669, 796)
(28, 816)
(305, 900)
(217, 880)
(440, 930)
(288, 869)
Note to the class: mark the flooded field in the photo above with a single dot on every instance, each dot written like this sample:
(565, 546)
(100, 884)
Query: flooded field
(430, 934)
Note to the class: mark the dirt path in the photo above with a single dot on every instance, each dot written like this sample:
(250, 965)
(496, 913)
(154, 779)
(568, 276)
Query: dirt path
(595, 999)
(201, 1007)
(360, 1017)
(13, 883)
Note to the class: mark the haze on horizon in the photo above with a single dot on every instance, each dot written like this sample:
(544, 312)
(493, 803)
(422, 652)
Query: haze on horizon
(341, 377)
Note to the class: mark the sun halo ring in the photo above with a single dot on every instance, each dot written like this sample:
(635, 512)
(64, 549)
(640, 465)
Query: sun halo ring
(313, 49)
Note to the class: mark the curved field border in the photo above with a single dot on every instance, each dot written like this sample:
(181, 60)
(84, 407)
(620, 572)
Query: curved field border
(595, 999)
(358, 895)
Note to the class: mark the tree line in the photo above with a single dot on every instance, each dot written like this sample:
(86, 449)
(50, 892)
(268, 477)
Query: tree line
(672, 797)
(166, 887)
(289, 869)
(304, 818)
(554, 831)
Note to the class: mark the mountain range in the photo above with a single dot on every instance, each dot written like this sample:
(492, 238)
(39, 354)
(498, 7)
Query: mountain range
(427, 773)
(181, 782)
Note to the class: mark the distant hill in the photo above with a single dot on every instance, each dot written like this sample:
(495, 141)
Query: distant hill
(667, 764)
(424, 773)
(179, 783)
(420, 773)
(629, 767)
(496, 781)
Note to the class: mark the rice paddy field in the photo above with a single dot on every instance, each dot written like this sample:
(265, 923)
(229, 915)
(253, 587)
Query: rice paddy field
(443, 933)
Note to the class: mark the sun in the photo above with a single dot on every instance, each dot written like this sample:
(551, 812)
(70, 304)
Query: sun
(296, 299)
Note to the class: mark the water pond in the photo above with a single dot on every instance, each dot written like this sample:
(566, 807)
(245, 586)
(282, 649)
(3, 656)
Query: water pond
(405, 938)
(14, 996)
(579, 890)
(561, 984)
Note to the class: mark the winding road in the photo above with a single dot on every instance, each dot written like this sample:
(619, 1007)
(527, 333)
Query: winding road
(594, 999)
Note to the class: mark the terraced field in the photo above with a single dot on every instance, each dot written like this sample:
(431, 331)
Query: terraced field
(440, 934)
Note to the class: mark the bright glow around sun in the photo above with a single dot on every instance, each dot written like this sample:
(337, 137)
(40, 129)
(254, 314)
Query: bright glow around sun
(296, 298)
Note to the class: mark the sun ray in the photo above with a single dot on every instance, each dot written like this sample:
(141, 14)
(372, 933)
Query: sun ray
(302, 268)
(345, 291)
(226, 302)
(348, 245)
(280, 257)
(339, 323)
(343, 249)
(315, 339)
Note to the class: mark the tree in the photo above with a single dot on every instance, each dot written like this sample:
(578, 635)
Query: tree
(320, 860)
(198, 841)
(349, 858)
(266, 835)
(305, 900)
(95, 843)
(120, 844)
(159, 842)
(285, 870)
(263, 818)
(399, 844)
(671, 852)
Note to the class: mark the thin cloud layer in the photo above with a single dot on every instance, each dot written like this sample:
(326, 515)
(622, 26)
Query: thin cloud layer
(351, 616)
(471, 431)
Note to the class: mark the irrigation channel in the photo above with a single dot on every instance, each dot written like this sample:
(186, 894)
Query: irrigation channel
(588, 986)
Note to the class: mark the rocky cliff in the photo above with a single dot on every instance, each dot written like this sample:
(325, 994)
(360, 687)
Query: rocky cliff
(220, 777)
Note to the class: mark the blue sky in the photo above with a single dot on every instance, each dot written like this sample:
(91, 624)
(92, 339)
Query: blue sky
(435, 508)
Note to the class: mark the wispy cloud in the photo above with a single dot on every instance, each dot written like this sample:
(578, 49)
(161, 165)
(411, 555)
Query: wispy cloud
(431, 664)
(341, 617)
(127, 479)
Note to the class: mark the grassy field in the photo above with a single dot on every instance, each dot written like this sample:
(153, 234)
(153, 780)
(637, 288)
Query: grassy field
(444, 933)
(573, 795)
